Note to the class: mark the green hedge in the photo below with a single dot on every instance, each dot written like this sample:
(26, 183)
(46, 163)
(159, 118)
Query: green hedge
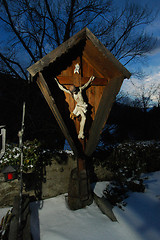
(126, 162)
(131, 157)
(33, 152)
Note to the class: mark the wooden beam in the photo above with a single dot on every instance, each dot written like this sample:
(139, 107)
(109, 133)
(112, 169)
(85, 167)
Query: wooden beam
(70, 80)
(95, 66)
(101, 63)
(50, 100)
(102, 113)
(96, 42)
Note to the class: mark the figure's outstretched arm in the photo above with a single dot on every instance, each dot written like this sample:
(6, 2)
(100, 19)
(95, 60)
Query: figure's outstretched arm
(62, 87)
(87, 84)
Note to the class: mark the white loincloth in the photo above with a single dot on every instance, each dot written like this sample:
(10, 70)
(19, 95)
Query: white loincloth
(79, 109)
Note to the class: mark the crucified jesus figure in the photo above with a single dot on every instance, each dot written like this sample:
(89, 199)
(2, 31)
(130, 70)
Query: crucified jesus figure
(81, 106)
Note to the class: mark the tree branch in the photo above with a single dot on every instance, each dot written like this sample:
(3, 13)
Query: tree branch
(69, 22)
(53, 22)
(16, 32)
(7, 61)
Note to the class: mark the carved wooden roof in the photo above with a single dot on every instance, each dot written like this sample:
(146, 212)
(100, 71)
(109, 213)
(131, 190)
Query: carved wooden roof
(93, 50)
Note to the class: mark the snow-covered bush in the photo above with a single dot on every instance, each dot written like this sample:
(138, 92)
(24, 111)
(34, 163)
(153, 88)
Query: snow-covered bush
(131, 158)
(11, 156)
(127, 161)
(32, 154)
(136, 157)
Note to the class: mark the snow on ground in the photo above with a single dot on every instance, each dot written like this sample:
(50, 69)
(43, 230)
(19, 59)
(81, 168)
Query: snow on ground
(139, 220)
(142, 213)
(3, 212)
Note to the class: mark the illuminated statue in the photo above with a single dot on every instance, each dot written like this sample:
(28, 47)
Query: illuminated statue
(81, 106)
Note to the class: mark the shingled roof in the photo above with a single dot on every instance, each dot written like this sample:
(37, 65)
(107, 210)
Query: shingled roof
(93, 49)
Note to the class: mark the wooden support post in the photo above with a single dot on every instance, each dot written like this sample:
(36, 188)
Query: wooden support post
(81, 164)
(81, 159)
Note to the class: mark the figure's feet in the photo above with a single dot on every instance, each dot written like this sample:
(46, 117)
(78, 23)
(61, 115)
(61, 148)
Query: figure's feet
(72, 115)
(80, 136)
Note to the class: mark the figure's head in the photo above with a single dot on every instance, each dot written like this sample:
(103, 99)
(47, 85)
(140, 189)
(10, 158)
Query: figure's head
(72, 88)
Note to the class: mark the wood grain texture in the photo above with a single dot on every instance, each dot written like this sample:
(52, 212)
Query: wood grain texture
(102, 113)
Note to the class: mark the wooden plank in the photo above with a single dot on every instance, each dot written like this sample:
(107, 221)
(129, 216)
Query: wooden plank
(96, 42)
(99, 61)
(66, 80)
(98, 94)
(77, 80)
(102, 113)
(91, 100)
(84, 68)
(50, 100)
(97, 70)
(89, 71)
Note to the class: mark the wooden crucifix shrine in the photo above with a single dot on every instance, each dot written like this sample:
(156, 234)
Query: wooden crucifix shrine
(80, 80)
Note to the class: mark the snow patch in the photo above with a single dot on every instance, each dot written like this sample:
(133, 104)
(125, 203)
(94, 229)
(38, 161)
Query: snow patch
(52, 219)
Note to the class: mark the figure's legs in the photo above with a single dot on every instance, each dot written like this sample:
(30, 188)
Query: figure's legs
(82, 123)
(75, 113)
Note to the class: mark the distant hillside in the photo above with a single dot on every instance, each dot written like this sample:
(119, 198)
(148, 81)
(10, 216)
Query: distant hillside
(132, 123)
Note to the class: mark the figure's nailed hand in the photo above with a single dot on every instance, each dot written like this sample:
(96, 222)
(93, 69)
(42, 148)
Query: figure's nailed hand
(92, 78)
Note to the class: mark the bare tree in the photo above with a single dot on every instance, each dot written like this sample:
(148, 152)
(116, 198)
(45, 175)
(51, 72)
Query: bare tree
(146, 95)
(159, 99)
(124, 35)
(33, 28)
